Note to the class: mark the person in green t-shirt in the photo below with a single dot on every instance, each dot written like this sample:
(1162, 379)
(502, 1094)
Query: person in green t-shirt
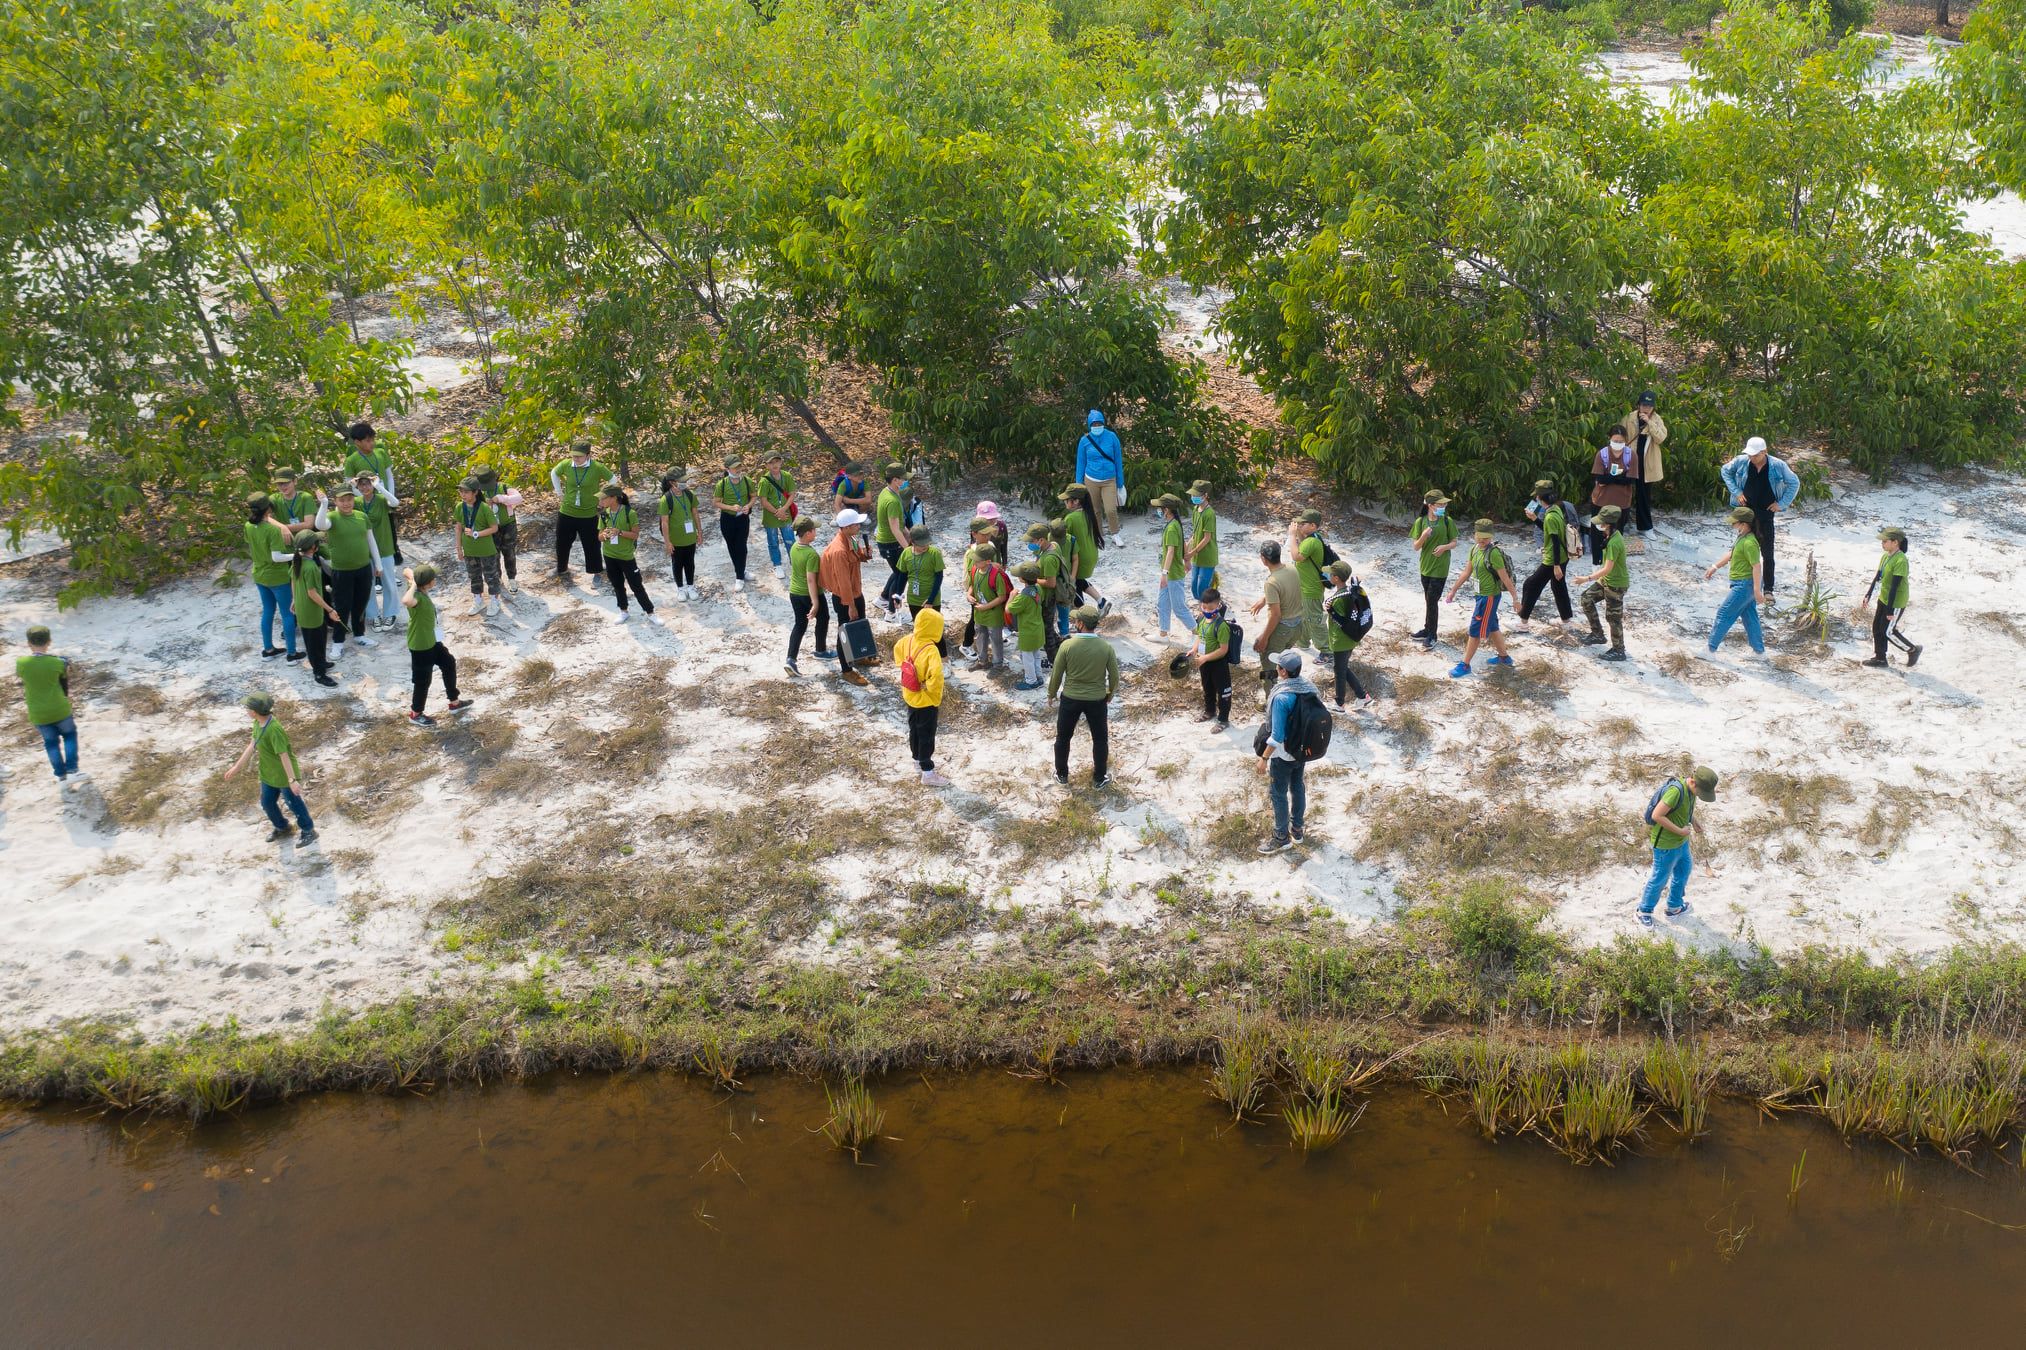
(476, 523)
(353, 555)
(313, 613)
(45, 688)
(1556, 517)
(890, 534)
(1212, 656)
(1492, 571)
(778, 508)
(505, 502)
(1044, 545)
(270, 552)
(1670, 821)
(681, 527)
(619, 537)
(293, 508)
(1607, 586)
(1171, 602)
(1340, 609)
(280, 772)
(736, 497)
(576, 481)
(366, 459)
(1433, 536)
(426, 652)
(990, 589)
(378, 509)
(1083, 539)
(921, 568)
(1023, 612)
(1748, 590)
(1202, 550)
(1305, 535)
(805, 594)
(1893, 585)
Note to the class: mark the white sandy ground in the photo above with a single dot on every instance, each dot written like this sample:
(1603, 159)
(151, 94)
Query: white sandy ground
(203, 922)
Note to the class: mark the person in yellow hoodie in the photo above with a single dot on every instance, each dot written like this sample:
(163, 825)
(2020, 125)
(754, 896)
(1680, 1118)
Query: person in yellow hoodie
(921, 688)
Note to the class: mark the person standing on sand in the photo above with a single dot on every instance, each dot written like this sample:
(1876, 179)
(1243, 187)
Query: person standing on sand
(734, 494)
(576, 481)
(619, 537)
(45, 689)
(851, 490)
(269, 550)
(504, 504)
(1306, 534)
(476, 524)
(1758, 479)
(280, 773)
(354, 557)
(1613, 482)
(680, 530)
(426, 652)
(1552, 574)
(889, 535)
(921, 563)
(838, 574)
(1201, 554)
(1745, 595)
(1023, 616)
(805, 595)
(312, 612)
(1085, 538)
(1172, 596)
(1893, 587)
(1433, 535)
(990, 590)
(919, 658)
(777, 509)
(1043, 543)
(1338, 607)
(1645, 432)
(368, 460)
(1101, 469)
(1086, 677)
(1670, 820)
(1607, 586)
(1287, 776)
(1212, 657)
(378, 509)
(1491, 569)
(1282, 602)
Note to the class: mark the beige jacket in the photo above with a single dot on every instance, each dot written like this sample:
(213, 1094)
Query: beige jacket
(1656, 433)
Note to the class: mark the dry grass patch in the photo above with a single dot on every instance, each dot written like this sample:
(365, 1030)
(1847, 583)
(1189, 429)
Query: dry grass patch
(1534, 682)
(137, 699)
(1409, 689)
(1795, 800)
(937, 912)
(573, 627)
(1891, 818)
(1074, 824)
(1439, 833)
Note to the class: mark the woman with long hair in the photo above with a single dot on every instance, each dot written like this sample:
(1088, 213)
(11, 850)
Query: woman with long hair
(1086, 537)
(312, 612)
(619, 536)
(268, 548)
(680, 530)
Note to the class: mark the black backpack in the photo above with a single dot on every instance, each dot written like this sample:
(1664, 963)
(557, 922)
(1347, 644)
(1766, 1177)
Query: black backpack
(1357, 620)
(1329, 554)
(1309, 726)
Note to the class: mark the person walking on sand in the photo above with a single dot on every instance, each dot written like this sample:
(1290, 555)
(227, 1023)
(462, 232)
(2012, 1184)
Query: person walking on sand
(279, 771)
(921, 565)
(505, 504)
(1080, 524)
(354, 558)
(476, 524)
(1745, 596)
(1212, 656)
(1492, 570)
(1762, 481)
(1172, 602)
(990, 589)
(1023, 616)
(1309, 570)
(313, 613)
(777, 509)
(1607, 586)
(734, 496)
(1670, 819)
(680, 529)
(1086, 677)
(1645, 433)
(426, 652)
(919, 657)
(1101, 468)
(1341, 612)
(1893, 586)
(1287, 775)
(619, 537)
(576, 481)
(851, 489)
(1614, 476)
(1281, 600)
(45, 689)
(378, 509)
(1556, 517)
(1044, 548)
(838, 574)
(1201, 554)
(805, 595)
(889, 535)
(1433, 535)
(269, 550)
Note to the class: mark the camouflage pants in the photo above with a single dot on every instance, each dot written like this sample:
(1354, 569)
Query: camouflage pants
(1614, 611)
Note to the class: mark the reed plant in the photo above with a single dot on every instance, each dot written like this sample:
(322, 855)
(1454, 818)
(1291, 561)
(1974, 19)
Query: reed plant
(1680, 1078)
(1316, 1125)
(855, 1119)
(1241, 1067)
(717, 1061)
(1599, 1116)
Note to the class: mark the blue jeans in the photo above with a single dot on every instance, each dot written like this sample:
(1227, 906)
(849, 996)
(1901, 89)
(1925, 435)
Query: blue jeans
(1287, 784)
(1671, 867)
(1062, 620)
(63, 760)
(271, 599)
(388, 603)
(1739, 604)
(1172, 604)
(780, 538)
(1199, 581)
(270, 795)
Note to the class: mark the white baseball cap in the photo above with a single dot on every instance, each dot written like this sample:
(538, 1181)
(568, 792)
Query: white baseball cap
(849, 517)
(1756, 446)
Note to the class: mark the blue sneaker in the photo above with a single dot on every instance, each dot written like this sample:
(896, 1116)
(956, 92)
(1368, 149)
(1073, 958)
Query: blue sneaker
(1459, 670)
(1025, 685)
(1676, 911)
(1645, 917)
(1499, 661)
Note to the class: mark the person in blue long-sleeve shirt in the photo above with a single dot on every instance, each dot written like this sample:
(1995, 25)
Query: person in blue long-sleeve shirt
(1287, 783)
(1758, 480)
(1101, 467)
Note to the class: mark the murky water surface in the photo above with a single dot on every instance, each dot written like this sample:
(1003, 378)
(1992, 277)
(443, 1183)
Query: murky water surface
(1111, 1209)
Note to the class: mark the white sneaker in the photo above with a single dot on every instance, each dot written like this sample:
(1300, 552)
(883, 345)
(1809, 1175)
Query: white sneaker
(655, 619)
(493, 608)
(934, 780)
(695, 594)
(622, 617)
(738, 585)
(781, 571)
(363, 641)
(512, 587)
(477, 605)
(337, 650)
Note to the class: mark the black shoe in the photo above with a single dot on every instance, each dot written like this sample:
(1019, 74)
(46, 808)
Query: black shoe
(1062, 780)
(1299, 835)
(421, 719)
(1874, 661)
(459, 704)
(297, 656)
(1276, 845)
(1913, 656)
(327, 682)
(1593, 639)
(1101, 782)
(306, 837)
(1612, 654)
(275, 836)
(270, 651)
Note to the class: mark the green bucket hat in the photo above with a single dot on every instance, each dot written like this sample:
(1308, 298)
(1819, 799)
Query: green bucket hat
(1433, 497)
(1038, 531)
(895, 469)
(983, 525)
(1485, 527)
(1028, 571)
(986, 553)
(1894, 533)
(1341, 570)
(1610, 515)
(258, 499)
(307, 540)
(1085, 614)
(1310, 517)
(1543, 485)
(1200, 488)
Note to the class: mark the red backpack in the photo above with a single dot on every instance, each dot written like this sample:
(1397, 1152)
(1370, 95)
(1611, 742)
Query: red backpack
(909, 679)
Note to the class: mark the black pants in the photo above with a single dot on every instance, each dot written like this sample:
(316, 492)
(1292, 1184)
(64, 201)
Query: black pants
(1762, 526)
(422, 668)
(1346, 678)
(1216, 677)
(1544, 578)
(1882, 631)
(804, 606)
(682, 564)
(1595, 534)
(508, 540)
(1431, 603)
(846, 612)
(624, 572)
(896, 582)
(1066, 714)
(352, 591)
(921, 737)
(735, 529)
(317, 642)
(1642, 505)
(571, 529)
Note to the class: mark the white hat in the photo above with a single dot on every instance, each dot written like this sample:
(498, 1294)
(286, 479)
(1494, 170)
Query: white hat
(849, 517)
(1756, 446)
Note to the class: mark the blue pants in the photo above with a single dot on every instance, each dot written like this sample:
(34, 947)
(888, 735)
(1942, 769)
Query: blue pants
(1671, 867)
(274, 598)
(1199, 581)
(1172, 605)
(1287, 784)
(64, 735)
(1062, 620)
(270, 795)
(1738, 605)
(780, 538)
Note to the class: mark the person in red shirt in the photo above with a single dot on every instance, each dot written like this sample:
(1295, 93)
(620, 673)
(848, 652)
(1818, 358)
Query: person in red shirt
(838, 574)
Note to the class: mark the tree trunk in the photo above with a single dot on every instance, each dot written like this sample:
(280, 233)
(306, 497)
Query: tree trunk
(1941, 13)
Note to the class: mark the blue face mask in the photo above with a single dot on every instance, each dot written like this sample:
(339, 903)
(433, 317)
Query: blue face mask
(1439, 512)
(1195, 501)
(906, 483)
(1033, 546)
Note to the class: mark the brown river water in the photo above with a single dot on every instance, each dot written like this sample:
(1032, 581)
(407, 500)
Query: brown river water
(1116, 1208)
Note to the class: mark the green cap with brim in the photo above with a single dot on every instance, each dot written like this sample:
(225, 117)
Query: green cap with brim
(1028, 571)
(1894, 533)
(307, 540)
(895, 469)
(1075, 492)
(1310, 517)
(1038, 531)
(1484, 527)
(1543, 485)
(1434, 497)
(1341, 570)
(1200, 488)
(1085, 614)
(1743, 515)
(258, 499)
(346, 490)
(38, 636)
(424, 575)
(1704, 780)
(260, 703)
(1168, 501)
(1610, 515)
(982, 525)
(986, 553)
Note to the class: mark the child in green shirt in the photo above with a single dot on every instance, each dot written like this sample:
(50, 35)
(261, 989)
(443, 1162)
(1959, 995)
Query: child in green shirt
(1023, 611)
(45, 688)
(314, 615)
(1172, 602)
(1202, 550)
(268, 549)
(805, 593)
(921, 568)
(1893, 586)
(280, 773)
(1308, 570)
(426, 652)
(1607, 586)
(476, 524)
(1212, 658)
(1492, 571)
(990, 590)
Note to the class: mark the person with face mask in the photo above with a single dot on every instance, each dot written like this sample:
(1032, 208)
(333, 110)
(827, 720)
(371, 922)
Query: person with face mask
(1555, 517)
(680, 529)
(576, 481)
(735, 497)
(1101, 468)
(889, 535)
(1613, 482)
(1645, 433)
(1202, 550)
(1433, 535)
(1212, 656)
(1761, 480)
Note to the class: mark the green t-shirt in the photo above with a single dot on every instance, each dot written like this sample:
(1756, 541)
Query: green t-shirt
(774, 495)
(887, 517)
(307, 581)
(1554, 532)
(1337, 637)
(297, 509)
(802, 564)
(1086, 667)
(382, 518)
(41, 677)
(1677, 803)
(479, 517)
(263, 541)
(579, 498)
(1214, 633)
(1484, 569)
(345, 540)
(503, 513)
(619, 518)
(375, 464)
(1203, 525)
(271, 744)
(1077, 526)
(1308, 567)
(988, 583)
(1025, 609)
(732, 493)
(422, 623)
(1050, 562)
(922, 571)
(1616, 574)
(1171, 538)
(1895, 586)
(678, 519)
(1429, 535)
(1744, 553)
